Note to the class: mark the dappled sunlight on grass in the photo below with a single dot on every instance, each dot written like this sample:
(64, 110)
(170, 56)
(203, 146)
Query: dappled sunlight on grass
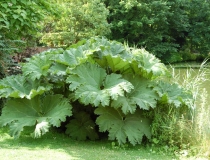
(55, 146)
(26, 153)
(28, 148)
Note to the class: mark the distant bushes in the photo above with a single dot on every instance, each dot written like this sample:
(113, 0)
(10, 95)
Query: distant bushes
(77, 20)
(172, 30)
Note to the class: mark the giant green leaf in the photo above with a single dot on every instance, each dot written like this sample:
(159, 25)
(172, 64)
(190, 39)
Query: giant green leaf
(172, 94)
(122, 127)
(58, 69)
(37, 66)
(142, 96)
(71, 57)
(147, 64)
(115, 63)
(39, 112)
(115, 85)
(40, 65)
(81, 127)
(19, 87)
(89, 74)
(112, 55)
(93, 86)
(120, 58)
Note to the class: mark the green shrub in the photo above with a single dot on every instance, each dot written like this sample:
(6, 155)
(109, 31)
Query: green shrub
(20, 19)
(175, 57)
(94, 82)
(78, 20)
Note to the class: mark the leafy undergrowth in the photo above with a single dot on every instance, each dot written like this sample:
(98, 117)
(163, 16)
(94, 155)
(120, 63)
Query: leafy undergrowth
(113, 87)
(55, 146)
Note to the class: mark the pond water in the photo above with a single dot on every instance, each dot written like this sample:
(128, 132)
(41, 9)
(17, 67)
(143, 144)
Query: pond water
(182, 69)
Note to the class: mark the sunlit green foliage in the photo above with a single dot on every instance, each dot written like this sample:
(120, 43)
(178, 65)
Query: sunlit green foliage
(78, 20)
(40, 112)
(19, 87)
(20, 18)
(83, 79)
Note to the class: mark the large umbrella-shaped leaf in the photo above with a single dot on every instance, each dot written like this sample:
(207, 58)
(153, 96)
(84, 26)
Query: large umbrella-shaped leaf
(142, 96)
(172, 94)
(93, 86)
(122, 127)
(37, 66)
(19, 87)
(147, 64)
(71, 57)
(40, 112)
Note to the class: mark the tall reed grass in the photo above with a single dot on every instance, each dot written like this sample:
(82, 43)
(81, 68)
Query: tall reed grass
(186, 128)
(196, 129)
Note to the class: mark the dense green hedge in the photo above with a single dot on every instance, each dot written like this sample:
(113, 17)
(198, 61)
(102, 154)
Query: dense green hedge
(165, 28)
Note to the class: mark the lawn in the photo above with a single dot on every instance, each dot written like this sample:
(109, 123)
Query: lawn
(54, 146)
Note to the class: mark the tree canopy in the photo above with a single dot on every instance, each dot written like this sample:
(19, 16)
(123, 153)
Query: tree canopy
(162, 27)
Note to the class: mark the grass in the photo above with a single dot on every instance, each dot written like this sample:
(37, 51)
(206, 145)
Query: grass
(54, 146)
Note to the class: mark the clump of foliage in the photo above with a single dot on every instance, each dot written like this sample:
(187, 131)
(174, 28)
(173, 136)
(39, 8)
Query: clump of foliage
(78, 20)
(185, 128)
(164, 28)
(20, 19)
(8, 47)
(19, 23)
(94, 82)
(7, 66)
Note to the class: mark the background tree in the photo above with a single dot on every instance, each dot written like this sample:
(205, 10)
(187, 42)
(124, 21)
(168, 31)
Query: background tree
(19, 23)
(78, 19)
(165, 28)
(19, 19)
(198, 38)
